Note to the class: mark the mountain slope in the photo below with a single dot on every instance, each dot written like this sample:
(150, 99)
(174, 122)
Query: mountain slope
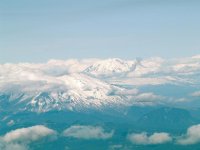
(167, 118)
(74, 91)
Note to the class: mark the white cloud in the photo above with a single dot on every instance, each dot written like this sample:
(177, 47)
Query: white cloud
(87, 132)
(144, 139)
(28, 134)
(148, 97)
(127, 92)
(13, 146)
(146, 66)
(196, 57)
(20, 138)
(185, 66)
(116, 147)
(177, 100)
(142, 81)
(192, 136)
(196, 94)
(61, 67)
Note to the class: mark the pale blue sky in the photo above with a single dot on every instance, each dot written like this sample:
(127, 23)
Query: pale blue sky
(38, 30)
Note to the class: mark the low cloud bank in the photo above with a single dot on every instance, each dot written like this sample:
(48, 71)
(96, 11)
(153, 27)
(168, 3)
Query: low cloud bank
(20, 139)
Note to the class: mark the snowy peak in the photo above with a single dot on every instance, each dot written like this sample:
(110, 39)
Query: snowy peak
(109, 67)
(119, 68)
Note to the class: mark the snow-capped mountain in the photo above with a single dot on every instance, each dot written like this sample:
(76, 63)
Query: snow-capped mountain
(80, 84)
(73, 91)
